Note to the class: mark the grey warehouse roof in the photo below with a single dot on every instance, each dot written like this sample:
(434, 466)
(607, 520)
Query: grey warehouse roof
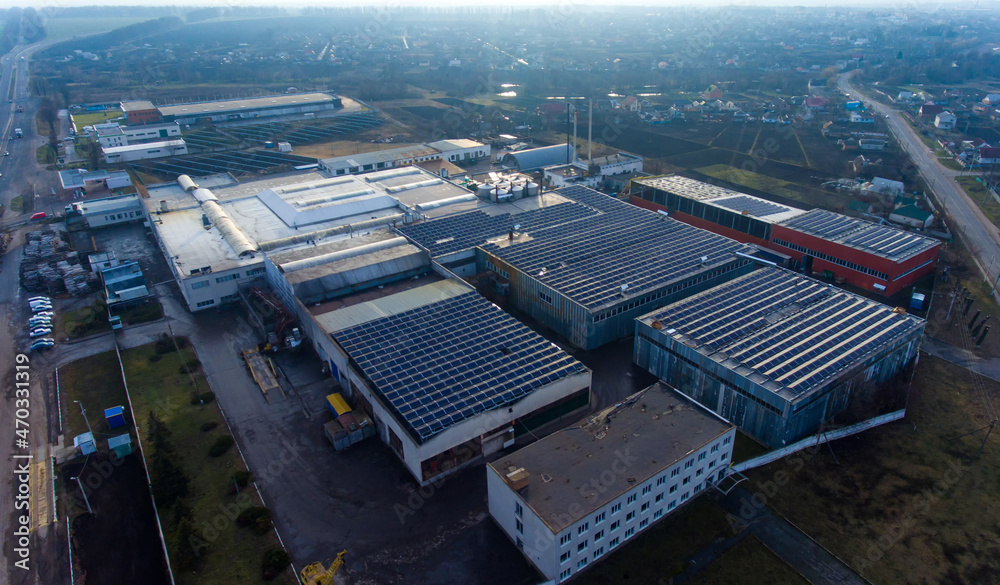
(448, 361)
(223, 106)
(887, 242)
(655, 427)
(784, 331)
(544, 156)
(587, 248)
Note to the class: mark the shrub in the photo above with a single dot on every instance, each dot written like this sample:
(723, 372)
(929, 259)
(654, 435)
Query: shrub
(275, 561)
(242, 477)
(153, 358)
(209, 426)
(191, 366)
(220, 446)
(256, 518)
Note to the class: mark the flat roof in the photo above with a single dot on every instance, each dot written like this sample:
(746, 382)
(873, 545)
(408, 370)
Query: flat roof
(728, 199)
(587, 246)
(380, 156)
(888, 242)
(109, 204)
(224, 106)
(454, 144)
(75, 178)
(656, 427)
(137, 105)
(443, 362)
(144, 146)
(784, 331)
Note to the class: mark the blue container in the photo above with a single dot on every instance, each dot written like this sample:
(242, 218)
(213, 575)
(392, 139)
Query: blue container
(115, 417)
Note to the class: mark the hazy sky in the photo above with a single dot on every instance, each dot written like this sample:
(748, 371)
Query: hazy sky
(920, 5)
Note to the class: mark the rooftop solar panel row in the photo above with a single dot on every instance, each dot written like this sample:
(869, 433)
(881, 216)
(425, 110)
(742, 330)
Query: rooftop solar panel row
(863, 235)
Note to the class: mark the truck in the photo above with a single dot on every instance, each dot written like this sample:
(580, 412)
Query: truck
(20, 109)
(18, 133)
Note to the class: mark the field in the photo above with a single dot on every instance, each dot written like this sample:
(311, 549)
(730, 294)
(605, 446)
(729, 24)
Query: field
(977, 192)
(221, 553)
(909, 502)
(68, 28)
(748, 561)
(90, 118)
(781, 190)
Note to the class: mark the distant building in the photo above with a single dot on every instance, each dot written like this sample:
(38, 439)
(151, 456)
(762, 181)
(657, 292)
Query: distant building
(557, 176)
(912, 216)
(141, 112)
(121, 154)
(884, 186)
(877, 144)
(570, 499)
(534, 159)
(930, 110)
(250, 108)
(945, 121)
(151, 132)
(109, 135)
(451, 151)
(109, 211)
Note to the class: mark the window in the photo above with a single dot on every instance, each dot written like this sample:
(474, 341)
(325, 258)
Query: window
(519, 543)
(645, 506)
(581, 547)
(686, 481)
(545, 297)
(616, 508)
(630, 532)
(518, 510)
(565, 574)
(685, 496)
(672, 505)
(519, 526)
(614, 542)
(207, 303)
(599, 518)
(598, 552)
(631, 499)
(659, 497)
(229, 298)
(661, 480)
(255, 271)
(199, 284)
(701, 456)
(689, 464)
(723, 457)
(615, 525)
(711, 464)
(565, 539)
(583, 528)
(647, 489)
(644, 523)
(581, 563)
(630, 516)
(715, 447)
(699, 472)
(697, 488)
(673, 488)
(227, 277)
(598, 536)
(564, 557)
(657, 514)
(675, 472)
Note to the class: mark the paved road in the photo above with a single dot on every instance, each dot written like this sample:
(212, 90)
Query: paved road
(981, 236)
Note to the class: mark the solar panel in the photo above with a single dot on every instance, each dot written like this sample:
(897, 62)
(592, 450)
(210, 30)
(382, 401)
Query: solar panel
(752, 205)
(864, 235)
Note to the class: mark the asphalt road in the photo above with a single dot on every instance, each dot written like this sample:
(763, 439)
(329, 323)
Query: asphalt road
(978, 232)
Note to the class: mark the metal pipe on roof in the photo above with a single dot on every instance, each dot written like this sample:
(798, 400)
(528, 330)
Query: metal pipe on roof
(325, 233)
(334, 197)
(343, 254)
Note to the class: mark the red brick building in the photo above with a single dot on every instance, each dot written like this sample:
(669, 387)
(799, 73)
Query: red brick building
(141, 112)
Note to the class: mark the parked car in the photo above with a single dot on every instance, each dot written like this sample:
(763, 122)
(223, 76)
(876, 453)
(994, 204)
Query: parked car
(41, 307)
(34, 299)
(39, 215)
(43, 314)
(40, 321)
(41, 344)
(40, 332)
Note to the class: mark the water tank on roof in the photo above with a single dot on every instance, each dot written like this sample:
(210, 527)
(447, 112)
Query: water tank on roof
(484, 190)
(517, 191)
(532, 190)
(500, 193)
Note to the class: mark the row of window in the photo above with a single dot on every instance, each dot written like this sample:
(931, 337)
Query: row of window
(207, 303)
(545, 297)
(833, 259)
(645, 299)
(717, 215)
(126, 215)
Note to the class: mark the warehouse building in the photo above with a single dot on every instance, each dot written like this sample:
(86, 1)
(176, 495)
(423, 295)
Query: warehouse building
(214, 231)
(874, 257)
(572, 498)
(141, 112)
(245, 109)
(451, 151)
(132, 152)
(447, 377)
(581, 262)
(535, 159)
(777, 353)
(733, 214)
(104, 212)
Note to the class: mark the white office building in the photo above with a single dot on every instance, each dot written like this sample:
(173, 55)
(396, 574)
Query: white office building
(570, 499)
(160, 149)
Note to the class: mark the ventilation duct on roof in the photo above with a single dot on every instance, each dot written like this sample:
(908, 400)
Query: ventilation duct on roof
(228, 228)
(342, 254)
(417, 185)
(443, 202)
(186, 183)
(315, 185)
(342, 229)
(390, 174)
(335, 197)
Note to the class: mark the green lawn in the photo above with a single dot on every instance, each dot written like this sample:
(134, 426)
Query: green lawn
(907, 502)
(44, 155)
(977, 192)
(758, 181)
(68, 28)
(749, 561)
(90, 118)
(231, 555)
(949, 163)
(84, 321)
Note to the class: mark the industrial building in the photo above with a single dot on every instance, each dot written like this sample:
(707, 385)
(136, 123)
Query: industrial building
(244, 109)
(581, 262)
(132, 152)
(733, 214)
(451, 151)
(151, 132)
(878, 258)
(777, 353)
(104, 212)
(570, 499)
(79, 178)
(875, 257)
(141, 112)
(214, 230)
(535, 159)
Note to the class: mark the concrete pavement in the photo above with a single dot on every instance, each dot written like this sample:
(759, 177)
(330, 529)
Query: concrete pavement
(978, 232)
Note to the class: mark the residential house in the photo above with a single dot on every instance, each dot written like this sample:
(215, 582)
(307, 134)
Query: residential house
(912, 216)
(945, 121)
(929, 110)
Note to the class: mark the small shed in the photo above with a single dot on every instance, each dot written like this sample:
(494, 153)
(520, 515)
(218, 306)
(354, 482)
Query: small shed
(85, 443)
(337, 405)
(120, 445)
(115, 416)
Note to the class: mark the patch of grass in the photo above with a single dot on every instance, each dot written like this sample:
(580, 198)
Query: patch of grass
(749, 561)
(907, 502)
(89, 118)
(977, 192)
(949, 163)
(143, 313)
(44, 155)
(746, 448)
(97, 383)
(68, 28)
(663, 550)
(85, 321)
(17, 203)
(231, 555)
(772, 185)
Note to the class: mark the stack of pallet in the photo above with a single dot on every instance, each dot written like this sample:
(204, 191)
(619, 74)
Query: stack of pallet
(50, 266)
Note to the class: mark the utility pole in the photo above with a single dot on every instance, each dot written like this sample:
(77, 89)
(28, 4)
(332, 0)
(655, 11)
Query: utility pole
(84, 413)
(84, 493)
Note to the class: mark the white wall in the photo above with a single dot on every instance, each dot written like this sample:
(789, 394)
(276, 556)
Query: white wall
(207, 291)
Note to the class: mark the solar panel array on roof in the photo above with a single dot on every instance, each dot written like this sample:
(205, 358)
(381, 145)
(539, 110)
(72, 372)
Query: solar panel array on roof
(752, 205)
(445, 362)
(864, 235)
(796, 331)
(586, 249)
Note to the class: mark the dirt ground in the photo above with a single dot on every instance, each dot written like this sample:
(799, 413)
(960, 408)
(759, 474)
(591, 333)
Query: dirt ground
(118, 544)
